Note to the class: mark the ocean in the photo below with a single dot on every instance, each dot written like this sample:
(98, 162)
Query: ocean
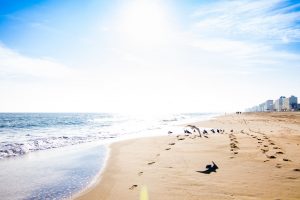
(55, 155)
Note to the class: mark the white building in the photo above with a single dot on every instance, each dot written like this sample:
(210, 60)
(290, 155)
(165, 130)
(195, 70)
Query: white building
(281, 104)
(278, 105)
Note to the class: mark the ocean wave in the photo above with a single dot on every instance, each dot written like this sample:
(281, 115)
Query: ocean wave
(23, 133)
(20, 148)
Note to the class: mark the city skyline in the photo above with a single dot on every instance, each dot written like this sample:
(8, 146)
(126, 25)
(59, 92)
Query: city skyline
(146, 56)
(281, 104)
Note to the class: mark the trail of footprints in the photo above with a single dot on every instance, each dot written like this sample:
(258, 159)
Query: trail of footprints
(264, 142)
(233, 143)
(179, 138)
(267, 146)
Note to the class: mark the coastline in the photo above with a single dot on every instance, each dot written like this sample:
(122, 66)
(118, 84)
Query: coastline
(98, 177)
(167, 165)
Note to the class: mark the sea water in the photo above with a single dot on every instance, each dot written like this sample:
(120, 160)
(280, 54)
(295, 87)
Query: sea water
(54, 155)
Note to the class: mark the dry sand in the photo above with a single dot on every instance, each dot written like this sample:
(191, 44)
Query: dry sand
(259, 159)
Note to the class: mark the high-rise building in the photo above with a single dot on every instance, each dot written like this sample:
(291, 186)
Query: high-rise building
(281, 104)
(293, 103)
(268, 105)
(278, 105)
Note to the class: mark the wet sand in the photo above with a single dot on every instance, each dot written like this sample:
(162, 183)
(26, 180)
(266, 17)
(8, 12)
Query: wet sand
(258, 157)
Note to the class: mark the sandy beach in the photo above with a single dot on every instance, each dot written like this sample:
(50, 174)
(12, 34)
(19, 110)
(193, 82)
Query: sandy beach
(258, 157)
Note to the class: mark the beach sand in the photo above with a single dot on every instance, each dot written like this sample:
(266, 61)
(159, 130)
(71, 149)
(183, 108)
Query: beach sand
(258, 158)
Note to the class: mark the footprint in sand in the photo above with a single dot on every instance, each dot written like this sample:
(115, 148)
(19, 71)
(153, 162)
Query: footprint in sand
(181, 138)
(151, 163)
(264, 150)
(279, 152)
(296, 170)
(266, 160)
(140, 173)
(172, 143)
(293, 178)
(234, 146)
(278, 165)
(132, 187)
(271, 157)
(286, 159)
(167, 149)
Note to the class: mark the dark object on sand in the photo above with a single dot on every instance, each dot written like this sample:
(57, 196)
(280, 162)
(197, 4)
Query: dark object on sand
(210, 168)
(195, 128)
(170, 132)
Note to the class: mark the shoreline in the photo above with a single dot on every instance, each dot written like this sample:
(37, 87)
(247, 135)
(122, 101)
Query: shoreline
(97, 179)
(155, 162)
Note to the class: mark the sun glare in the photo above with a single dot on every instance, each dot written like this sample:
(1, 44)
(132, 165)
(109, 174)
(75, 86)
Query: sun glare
(144, 21)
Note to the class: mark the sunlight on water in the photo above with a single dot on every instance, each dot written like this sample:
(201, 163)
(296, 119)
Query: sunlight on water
(52, 174)
(54, 155)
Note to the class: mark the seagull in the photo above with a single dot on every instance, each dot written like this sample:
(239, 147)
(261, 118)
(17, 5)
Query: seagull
(210, 168)
(195, 128)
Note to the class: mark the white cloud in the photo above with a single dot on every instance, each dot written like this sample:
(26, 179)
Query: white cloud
(231, 47)
(262, 20)
(14, 64)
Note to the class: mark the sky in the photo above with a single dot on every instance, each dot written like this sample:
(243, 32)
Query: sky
(149, 56)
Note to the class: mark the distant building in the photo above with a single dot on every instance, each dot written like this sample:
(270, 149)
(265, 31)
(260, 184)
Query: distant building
(290, 104)
(261, 107)
(281, 104)
(268, 105)
(278, 105)
(293, 102)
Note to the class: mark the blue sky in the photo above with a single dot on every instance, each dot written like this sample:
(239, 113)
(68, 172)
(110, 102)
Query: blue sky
(147, 55)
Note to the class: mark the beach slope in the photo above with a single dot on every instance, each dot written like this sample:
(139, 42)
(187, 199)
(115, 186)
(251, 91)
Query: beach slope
(258, 157)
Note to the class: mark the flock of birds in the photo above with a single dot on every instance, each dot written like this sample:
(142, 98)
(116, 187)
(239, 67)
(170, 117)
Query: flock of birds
(204, 132)
(210, 167)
